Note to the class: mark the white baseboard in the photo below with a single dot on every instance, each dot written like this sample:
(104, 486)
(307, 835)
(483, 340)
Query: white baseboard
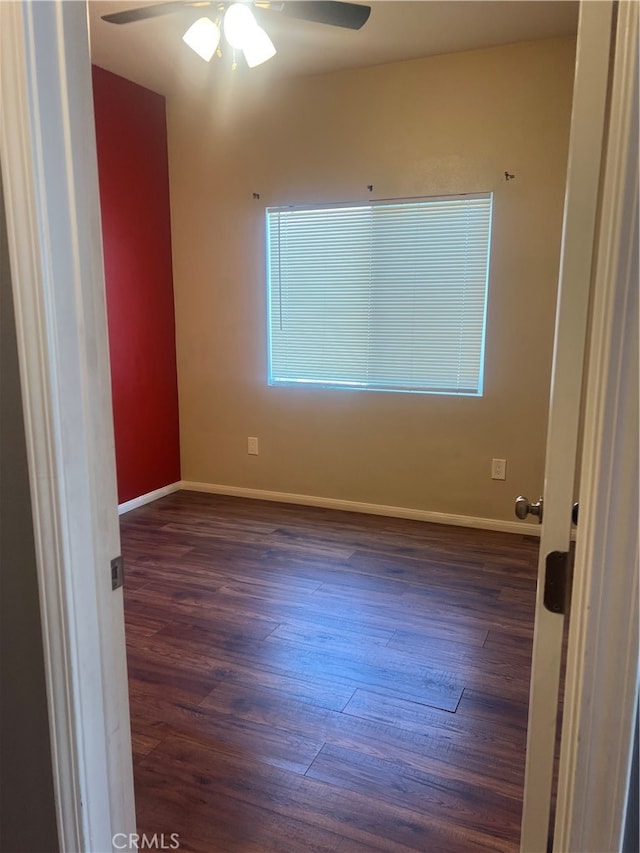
(134, 503)
(521, 527)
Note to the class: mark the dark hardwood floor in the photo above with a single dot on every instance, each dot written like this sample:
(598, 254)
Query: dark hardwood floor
(304, 679)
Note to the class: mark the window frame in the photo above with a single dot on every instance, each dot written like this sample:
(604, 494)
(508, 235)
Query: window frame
(355, 385)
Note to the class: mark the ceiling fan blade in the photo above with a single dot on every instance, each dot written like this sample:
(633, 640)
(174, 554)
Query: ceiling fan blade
(128, 16)
(351, 16)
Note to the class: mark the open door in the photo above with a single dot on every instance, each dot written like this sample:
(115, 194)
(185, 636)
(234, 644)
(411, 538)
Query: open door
(595, 49)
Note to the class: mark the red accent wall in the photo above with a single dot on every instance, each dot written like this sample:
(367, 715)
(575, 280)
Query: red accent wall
(134, 196)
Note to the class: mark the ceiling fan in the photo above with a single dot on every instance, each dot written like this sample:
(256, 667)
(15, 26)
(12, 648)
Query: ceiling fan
(237, 21)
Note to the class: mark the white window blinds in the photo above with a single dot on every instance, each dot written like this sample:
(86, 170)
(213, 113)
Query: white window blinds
(386, 296)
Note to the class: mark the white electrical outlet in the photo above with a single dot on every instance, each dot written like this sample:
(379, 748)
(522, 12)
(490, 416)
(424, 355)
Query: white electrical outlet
(498, 469)
(252, 446)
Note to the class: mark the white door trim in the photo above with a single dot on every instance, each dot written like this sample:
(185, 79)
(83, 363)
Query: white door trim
(582, 197)
(49, 167)
(602, 666)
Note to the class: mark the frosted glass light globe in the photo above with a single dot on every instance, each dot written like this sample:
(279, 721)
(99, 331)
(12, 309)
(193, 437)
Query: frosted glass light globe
(203, 37)
(239, 23)
(258, 48)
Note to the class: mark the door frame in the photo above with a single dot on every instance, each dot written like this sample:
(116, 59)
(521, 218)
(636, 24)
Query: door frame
(45, 84)
(602, 656)
(579, 235)
(49, 168)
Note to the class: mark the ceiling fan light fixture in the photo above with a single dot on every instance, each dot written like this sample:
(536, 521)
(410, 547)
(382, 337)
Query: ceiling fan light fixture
(239, 24)
(203, 37)
(258, 48)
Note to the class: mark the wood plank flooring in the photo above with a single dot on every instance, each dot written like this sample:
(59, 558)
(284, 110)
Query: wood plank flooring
(304, 679)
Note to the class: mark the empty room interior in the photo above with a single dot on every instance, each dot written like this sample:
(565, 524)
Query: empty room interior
(322, 417)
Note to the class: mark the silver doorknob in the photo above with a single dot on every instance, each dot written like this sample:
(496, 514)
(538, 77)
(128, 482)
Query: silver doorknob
(524, 507)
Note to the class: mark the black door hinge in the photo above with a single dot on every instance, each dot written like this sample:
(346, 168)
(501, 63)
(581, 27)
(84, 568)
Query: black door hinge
(558, 578)
(117, 572)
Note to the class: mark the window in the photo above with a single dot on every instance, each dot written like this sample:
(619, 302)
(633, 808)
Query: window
(386, 296)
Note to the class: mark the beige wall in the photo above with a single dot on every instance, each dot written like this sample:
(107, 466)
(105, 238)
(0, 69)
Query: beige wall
(446, 124)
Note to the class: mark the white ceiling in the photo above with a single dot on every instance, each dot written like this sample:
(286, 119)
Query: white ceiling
(152, 53)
